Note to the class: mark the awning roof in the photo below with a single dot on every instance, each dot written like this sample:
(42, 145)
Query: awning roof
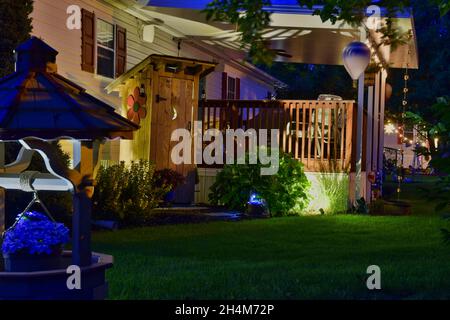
(294, 29)
(37, 102)
(187, 65)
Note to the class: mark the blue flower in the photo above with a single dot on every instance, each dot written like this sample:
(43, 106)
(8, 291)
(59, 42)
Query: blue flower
(35, 233)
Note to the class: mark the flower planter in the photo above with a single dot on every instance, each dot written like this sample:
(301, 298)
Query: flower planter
(169, 197)
(23, 262)
(34, 243)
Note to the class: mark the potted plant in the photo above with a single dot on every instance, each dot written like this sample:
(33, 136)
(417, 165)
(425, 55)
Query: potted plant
(34, 243)
(171, 179)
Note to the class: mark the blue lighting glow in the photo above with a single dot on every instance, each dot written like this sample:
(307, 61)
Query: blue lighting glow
(256, 200)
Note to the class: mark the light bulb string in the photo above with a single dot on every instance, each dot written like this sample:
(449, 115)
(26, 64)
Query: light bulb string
(405, 92)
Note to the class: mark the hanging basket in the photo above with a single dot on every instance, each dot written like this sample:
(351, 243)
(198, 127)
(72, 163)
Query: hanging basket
(34, 242)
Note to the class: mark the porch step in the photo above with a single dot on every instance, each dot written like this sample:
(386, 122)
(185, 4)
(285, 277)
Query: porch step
(196, 212)
(225, 215)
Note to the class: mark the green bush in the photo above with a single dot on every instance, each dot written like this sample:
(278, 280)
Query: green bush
(126, 193)
(336, 189)
(285, 192)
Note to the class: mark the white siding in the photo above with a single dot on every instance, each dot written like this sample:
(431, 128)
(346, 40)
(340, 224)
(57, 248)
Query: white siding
(49, 23)
(214, 86)
(251, 88)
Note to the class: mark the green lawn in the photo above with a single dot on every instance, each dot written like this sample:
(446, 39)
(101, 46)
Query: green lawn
(321, 257)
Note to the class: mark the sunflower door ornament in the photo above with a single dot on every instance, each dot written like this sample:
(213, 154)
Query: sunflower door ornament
(136, 105)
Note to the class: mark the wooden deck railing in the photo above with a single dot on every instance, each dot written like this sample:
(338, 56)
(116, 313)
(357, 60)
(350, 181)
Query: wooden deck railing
(317, 133)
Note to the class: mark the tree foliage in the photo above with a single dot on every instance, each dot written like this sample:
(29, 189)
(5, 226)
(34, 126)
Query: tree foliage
(432, 79)
(440, 194)
(307, 81)
(15, 28)
(437, 127)
(127, 193)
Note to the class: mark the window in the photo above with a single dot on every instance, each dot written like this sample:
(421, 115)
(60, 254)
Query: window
(105, 49)
(231, 87)
(231, 92)
(103, 46)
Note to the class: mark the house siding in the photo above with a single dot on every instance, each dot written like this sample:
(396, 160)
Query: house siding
(251, 88)
(49, 23)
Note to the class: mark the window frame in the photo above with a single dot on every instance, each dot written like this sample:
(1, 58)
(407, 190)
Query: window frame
(231, 94)
(113, 49)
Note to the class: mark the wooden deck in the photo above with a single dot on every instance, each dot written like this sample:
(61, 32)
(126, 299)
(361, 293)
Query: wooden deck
(320, 134)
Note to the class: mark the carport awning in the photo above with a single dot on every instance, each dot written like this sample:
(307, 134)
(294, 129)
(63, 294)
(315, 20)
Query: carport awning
(303, 38)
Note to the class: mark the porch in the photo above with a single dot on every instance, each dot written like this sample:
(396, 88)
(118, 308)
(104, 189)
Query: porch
(320, 134)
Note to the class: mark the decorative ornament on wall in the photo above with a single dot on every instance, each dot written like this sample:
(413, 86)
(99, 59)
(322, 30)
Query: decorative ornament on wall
(388, 92)
(174, 113)
(136, 102)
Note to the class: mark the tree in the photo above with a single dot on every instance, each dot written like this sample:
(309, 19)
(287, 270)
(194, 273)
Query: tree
(307, 81)
(438, 127)
(251, 19)
(15, 28)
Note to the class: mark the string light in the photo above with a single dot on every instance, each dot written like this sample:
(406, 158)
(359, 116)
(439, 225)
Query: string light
(405, 91)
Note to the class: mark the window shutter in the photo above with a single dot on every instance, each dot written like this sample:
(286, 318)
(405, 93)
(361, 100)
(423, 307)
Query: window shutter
(121, 50)
(224, 85)
(238, 89)
(87, 40)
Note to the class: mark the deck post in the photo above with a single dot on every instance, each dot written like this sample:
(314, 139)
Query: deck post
(376, 122)
(371, 119)
(359, 137)
(356, 184)
(381, 130)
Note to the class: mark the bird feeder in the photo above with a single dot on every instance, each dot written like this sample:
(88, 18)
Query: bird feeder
(37, 105)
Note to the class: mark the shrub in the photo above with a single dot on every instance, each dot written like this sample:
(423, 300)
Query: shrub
(126, 193)
(334, 187)
(284, 192)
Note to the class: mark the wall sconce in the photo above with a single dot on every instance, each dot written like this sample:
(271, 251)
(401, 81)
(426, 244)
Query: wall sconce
(142, 90)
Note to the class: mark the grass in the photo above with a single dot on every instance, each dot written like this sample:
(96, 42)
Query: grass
(316, 257)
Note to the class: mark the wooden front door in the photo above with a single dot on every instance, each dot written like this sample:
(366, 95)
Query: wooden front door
(173, 108)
